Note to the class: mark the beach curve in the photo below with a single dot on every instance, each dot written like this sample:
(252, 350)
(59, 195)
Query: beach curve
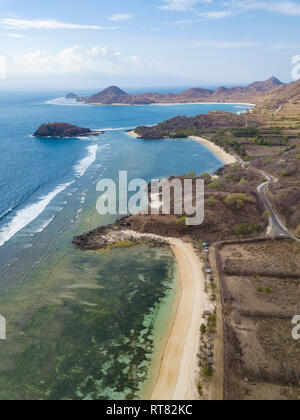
(227, 158)
(179, 371)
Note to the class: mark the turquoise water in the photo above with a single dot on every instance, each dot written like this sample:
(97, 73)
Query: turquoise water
(68, 311)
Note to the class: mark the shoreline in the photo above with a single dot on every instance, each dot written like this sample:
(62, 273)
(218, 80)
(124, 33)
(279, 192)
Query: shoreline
(174, 103)
(161, 334)
(174, 373)
(179, 374)
(227, 158)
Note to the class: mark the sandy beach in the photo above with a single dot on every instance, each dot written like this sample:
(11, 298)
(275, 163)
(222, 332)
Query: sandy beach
(133, 134)
(179, 371)
(227, 158)
(175, 103)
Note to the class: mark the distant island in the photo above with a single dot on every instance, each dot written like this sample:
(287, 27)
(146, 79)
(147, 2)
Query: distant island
(72, 96)
(61, 130)
(113, 95)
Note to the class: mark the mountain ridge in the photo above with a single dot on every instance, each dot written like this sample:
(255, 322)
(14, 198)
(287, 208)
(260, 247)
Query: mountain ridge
(114, 95)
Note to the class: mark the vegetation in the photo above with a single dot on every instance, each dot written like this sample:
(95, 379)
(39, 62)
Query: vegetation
(205, 175)
(181, 220)
(298, 231)
(283, 172)
(238, 200)
(211, 201)
(245, 229)
(217, 184)
(207, 372)
(203, 329)
(191, 174)
(178, 136)
(245, 132)
(200, 390)
(212, 324)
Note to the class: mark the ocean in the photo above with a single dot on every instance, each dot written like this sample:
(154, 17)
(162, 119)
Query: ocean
(80, 325)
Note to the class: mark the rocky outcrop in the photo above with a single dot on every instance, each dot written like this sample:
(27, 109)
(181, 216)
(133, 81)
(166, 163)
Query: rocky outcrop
(62, 130)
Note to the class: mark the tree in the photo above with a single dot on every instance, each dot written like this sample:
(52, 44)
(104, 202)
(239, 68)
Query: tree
(203, 329)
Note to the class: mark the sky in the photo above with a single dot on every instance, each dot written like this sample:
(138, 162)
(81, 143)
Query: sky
(90, 44)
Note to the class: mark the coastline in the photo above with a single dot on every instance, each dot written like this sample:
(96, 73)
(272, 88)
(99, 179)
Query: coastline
(174, 103)
(179, 372)
(161, 333)
(227, 158)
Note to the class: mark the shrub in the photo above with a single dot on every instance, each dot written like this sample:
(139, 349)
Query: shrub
(203, 329)
(208, 372)
(200, 390)
(245, 132)
(256, 276)
(205, 175)
(268, 290)
(216, 184)
(259, 290)
(267, 213)
(181, 220)
(178, 136)
(211, 201)
(298, 156)
(283, 172)
(212, 324)
(238, 200)
(245, 229)
(191, 174)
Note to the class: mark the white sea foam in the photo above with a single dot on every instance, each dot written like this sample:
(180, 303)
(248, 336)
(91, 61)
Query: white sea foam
(113, 129)
(65, 102)
(25, 216)
(85, 163)
(45, 224)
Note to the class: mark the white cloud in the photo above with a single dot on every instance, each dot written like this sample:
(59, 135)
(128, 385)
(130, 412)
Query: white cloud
(79, 60)
(217, 14)
(11, 35)
(181, 5)
(247, 44)
(13, 23)
(287, 8)
(119, 17)
(233, 44)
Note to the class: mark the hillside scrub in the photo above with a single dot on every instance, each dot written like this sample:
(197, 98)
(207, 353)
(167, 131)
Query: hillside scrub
(238, 200)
